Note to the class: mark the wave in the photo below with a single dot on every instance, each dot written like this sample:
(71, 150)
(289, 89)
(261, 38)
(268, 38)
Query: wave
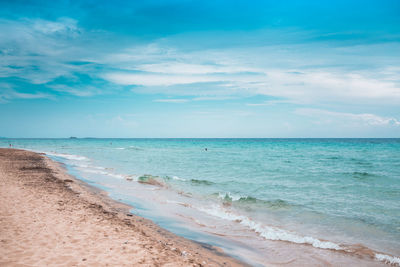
(363, 175)
(388, 259)
(67, 156)
(334, 157)
(201, 182)
(150, 179)
(134, 148)
(175, 178)
(192, 181)
(278, 234)
(268, 232)
(85, 166)
(360, 162)
(222, 212)
(129, 148)
(99, 170)
(232, 198)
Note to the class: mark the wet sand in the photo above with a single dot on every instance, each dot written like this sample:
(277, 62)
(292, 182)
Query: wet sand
(49, 218)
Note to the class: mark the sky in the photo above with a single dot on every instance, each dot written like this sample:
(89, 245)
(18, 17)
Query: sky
(274, 69)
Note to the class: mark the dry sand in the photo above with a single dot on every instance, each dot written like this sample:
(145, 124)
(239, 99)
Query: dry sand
(49, 218)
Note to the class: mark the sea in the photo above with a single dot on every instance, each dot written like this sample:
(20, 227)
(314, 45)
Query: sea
(263, 201)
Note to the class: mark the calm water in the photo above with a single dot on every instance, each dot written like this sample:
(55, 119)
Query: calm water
(328, 193)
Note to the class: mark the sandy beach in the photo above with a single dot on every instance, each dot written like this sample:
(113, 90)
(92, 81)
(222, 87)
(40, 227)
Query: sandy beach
(49, 218)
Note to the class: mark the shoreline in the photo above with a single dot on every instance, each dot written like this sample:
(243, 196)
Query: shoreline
(50, 217)
(273, 253)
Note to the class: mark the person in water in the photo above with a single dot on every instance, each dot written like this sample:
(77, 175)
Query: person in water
(205, 149)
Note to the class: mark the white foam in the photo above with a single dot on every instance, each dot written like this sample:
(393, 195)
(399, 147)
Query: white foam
(80, 165)
(120, 148)
(86, 167)
(233, 197)
(268, 232)
(387, 259)
(178, 178)
(89, 170)
(100, 170)
(67, 156)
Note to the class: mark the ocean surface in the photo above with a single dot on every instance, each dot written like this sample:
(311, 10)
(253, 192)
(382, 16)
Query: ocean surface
(250, 196)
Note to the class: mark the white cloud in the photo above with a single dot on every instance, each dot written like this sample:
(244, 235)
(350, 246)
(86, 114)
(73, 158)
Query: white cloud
(190, 69)
(36, 49)
(212, 98)
(153, 79)
(39, 51)
(171, 100)
(307, 88)
(83, 91)
(7, 93)
(317, 86)
(61, 26)
(342, 117)
(270, 103)
(251, 72)
(164, 79)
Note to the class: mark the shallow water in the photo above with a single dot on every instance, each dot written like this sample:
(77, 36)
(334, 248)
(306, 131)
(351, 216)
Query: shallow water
(328, 194)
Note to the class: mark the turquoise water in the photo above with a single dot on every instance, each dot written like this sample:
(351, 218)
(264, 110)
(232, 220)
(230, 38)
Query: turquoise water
(345, 191)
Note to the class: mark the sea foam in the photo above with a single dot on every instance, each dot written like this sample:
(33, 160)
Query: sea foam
(178, 178)
(387, 259)
(230, 197)
(268, 232)
(67, 156)
(97, 171)
(86, 167)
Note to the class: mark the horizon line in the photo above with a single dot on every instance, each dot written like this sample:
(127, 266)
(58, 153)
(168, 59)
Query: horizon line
(75, 138)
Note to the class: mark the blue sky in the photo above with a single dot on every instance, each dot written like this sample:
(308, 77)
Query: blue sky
(200, 68)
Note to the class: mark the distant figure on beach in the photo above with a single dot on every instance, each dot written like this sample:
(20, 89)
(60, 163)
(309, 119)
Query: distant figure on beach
(10, 145)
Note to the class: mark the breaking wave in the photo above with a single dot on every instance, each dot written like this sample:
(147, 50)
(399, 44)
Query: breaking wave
(268, 232)
(201, 182)
(388, 259)
(67, 156)
(238, 199)
(150, 179)
(223, 212)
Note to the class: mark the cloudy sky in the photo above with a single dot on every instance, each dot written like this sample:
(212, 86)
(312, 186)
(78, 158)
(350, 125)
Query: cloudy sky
(200, 68)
